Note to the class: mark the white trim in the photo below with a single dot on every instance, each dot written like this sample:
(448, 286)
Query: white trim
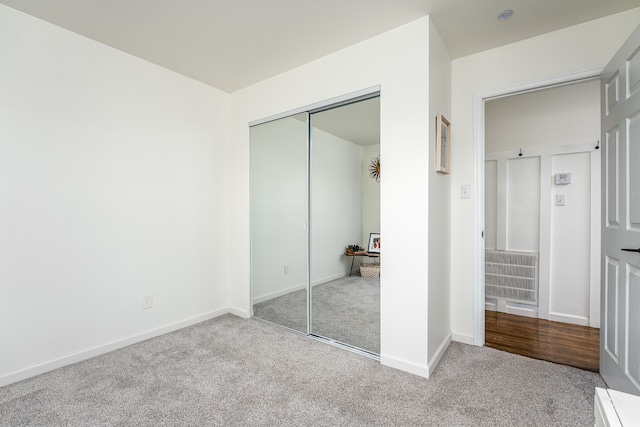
(585, 147)
(534, 85)
(596, 242)
(330, 278)
(322, 281)
(272, 295)
(512, 308)
(478, 219)
(569, 318)
(464, 339)
(501, 199)
(370, 91)
(244, 314)
(604, 410)
(523, 310)
(404, 365)
(544, 242)
(98, 350)
(479, 99)
(433, 363)
(490, 304)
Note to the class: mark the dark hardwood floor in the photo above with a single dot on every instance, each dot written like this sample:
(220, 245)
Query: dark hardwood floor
(563, 343)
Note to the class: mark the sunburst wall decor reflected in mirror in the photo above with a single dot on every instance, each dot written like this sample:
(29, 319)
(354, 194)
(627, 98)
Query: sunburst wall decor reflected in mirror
(374, 169)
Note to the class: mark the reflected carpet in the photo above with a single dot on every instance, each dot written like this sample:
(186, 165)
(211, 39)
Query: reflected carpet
(345, 310)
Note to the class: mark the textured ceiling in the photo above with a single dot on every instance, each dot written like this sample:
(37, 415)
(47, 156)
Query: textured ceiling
(233, 44)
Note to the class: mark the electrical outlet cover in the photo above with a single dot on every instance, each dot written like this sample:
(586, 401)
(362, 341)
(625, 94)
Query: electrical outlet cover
(147, 302)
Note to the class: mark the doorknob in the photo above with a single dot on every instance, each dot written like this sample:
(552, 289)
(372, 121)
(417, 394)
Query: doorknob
(632, 250)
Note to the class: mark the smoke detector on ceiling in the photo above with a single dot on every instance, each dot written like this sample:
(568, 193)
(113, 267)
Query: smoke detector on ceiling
(505, 14)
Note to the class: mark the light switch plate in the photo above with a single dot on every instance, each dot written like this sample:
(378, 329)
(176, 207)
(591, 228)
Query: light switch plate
(559, 199)
(465, 191)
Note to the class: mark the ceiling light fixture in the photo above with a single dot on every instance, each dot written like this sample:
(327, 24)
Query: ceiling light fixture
(505, 14)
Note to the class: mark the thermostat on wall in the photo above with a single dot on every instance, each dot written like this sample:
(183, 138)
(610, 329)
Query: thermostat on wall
(563, 178)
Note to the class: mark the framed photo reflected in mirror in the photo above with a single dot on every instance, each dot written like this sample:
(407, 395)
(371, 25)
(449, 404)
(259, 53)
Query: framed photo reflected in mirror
(374, 243)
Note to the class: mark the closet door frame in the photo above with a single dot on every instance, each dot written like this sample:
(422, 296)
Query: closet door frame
(350, 98)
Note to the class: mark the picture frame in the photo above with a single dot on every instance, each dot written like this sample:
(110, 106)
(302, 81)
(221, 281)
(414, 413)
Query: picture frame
(443, 144)
(374, 243)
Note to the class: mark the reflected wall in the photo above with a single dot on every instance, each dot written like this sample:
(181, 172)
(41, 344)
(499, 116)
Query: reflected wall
(279, 217)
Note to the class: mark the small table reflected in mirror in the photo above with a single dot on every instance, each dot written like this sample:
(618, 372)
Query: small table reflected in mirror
(360, 253)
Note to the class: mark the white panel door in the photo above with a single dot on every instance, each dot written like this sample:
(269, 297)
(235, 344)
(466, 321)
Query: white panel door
(620, 328)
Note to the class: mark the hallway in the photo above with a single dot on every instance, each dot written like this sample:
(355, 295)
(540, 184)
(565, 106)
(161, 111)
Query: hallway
(563, 343)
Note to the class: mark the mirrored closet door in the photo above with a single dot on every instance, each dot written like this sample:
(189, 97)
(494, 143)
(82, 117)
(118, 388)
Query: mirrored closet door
(279, 221)
(312, 195)
(345, 210)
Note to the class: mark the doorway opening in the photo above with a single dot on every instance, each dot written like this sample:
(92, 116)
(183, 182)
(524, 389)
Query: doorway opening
(538, 265)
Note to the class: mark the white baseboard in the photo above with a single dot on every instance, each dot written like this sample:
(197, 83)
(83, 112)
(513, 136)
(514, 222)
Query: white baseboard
(439, 353)
(267, 297)
(272, 295)
(532, 311)
(240, 313)
(522, 310)
(504, 306)
(89, 353)
(464, 339)
(406, 366)
(328, 279)
(569, 318)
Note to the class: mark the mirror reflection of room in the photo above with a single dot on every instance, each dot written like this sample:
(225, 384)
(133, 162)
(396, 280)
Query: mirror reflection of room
(345, 210)
(342, 201)
(279, 216)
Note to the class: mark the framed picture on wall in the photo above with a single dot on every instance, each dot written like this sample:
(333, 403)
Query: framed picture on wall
(443, 144)
(374, 243)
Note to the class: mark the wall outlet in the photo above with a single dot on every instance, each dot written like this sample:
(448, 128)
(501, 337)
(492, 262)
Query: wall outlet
(286, 269)
(147, 302)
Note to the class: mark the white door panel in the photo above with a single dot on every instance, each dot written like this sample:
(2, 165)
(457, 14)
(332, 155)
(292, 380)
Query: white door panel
(620, 331)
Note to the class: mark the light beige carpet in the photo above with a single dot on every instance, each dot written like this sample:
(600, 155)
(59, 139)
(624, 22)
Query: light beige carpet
(234, 372)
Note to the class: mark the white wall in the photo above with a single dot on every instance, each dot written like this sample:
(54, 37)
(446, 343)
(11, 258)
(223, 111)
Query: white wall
(336, 204)
(278, 239)
(562, 115)
(113, 186)
(439, 202)
(522, 205)
(279, 206)
(576, 50)
(370, 196)
(398, 62)
(570, 295)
